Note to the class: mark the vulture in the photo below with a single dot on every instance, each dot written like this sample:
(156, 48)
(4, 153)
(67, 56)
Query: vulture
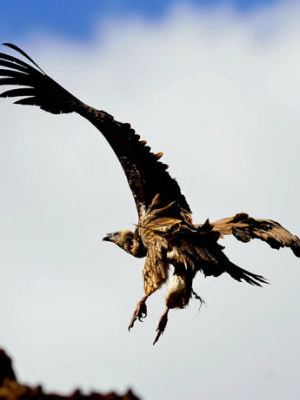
(165, 233)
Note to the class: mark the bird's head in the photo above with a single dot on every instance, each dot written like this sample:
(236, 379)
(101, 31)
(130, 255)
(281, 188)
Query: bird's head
(127, 241)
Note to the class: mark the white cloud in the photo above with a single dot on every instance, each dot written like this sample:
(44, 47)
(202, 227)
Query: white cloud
(219, 94)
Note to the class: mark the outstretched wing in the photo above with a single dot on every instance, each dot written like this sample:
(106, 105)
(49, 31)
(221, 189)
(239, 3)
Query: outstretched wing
(245, 228)
(145, 174)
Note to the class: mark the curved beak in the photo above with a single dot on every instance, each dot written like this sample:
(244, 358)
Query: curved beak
(108, 237)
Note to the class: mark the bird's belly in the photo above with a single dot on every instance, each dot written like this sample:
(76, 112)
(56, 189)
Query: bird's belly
(177, 295)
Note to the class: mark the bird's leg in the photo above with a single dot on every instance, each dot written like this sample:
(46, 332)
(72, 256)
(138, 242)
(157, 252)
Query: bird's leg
(140, 312)
(161, 325)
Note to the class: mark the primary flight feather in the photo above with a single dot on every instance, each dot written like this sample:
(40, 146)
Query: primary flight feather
(165, 233)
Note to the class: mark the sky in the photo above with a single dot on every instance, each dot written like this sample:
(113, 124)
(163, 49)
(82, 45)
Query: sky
(215, 86)
(77, 19)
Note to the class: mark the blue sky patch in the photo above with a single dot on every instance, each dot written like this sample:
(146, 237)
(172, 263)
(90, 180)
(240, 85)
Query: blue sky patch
(78, 19)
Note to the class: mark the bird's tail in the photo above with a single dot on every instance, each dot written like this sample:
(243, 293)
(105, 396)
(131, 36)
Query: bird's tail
(38, 88)
(240, 274)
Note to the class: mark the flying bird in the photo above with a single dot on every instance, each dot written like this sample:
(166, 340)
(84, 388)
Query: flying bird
(165, 233)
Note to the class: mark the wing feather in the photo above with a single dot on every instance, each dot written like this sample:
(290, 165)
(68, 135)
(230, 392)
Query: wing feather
(155, 270)
(245, 228)
(145, 174)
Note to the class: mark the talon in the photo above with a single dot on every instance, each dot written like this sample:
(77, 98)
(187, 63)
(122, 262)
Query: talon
(197, 297)
(140, 312)
(161, 325)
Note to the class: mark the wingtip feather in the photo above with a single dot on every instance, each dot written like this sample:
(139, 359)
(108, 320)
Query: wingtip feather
(16, 48)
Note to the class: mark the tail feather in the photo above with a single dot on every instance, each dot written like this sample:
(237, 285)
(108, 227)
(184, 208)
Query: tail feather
(39, 89)
(240, 274)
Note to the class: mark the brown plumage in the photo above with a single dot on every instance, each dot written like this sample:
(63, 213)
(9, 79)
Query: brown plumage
(165, 233)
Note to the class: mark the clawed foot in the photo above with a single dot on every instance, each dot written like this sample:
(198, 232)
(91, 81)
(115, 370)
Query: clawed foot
(197, 297)
(140, 312)
(161, 325)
